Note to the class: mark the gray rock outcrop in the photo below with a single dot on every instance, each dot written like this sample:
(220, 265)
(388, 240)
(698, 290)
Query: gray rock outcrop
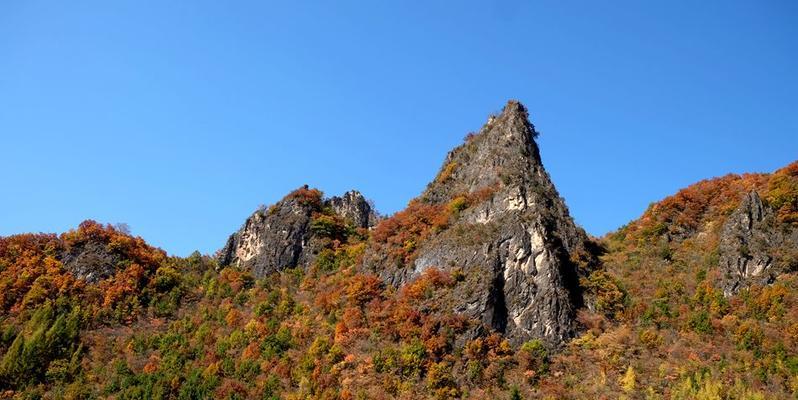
(754, 247)
(515, 241)
(353, 207)
(280, 236)
(91, 261)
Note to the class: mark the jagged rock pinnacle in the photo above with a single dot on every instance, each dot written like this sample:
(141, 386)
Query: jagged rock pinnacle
(502, 152)
(513, 234)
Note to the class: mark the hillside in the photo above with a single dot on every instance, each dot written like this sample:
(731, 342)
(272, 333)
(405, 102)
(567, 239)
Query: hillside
(483, 287)
(679, 331)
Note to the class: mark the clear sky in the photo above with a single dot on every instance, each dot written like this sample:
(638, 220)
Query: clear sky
(181, 118)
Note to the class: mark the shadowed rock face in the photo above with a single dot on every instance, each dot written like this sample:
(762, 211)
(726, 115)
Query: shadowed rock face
(515, 243)
(754, 247)
(91, 261)
(280, 236)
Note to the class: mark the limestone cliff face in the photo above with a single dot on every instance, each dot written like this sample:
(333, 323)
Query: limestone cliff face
(515, 241)
(280, 236)
(754, 247)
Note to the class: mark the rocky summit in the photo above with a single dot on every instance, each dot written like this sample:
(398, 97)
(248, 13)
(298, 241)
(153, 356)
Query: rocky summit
(281, 236)
(511, 235)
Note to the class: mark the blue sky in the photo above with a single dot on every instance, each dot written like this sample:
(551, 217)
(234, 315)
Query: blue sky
(180, 118)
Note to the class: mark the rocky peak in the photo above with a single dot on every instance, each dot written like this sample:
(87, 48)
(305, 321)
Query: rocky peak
(280, 236)
(502, 152)
(509, 232)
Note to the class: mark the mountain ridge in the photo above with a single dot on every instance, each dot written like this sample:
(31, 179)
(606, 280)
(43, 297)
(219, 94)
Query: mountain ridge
(482, 287)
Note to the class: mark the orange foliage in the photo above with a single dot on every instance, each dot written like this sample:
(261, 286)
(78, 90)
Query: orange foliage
(31, 272)
(432, 279)
(233, 317)
(446, 172)
(307, 197)
(251, 352)
(481, 195)
(237, 279)
(152, 364)
(487, 348)
(404, 231)
(401, 234)
(405, 321)
(783, 193)
(363, 288)
(351, 325)
(230, 389)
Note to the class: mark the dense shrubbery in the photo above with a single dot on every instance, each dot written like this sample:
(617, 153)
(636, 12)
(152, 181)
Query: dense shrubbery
(710, 202)
(307, 197)
(46, 347)
(677, 333)
(32, 274)
(783, 193)
(401, 233)
(45, 308)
